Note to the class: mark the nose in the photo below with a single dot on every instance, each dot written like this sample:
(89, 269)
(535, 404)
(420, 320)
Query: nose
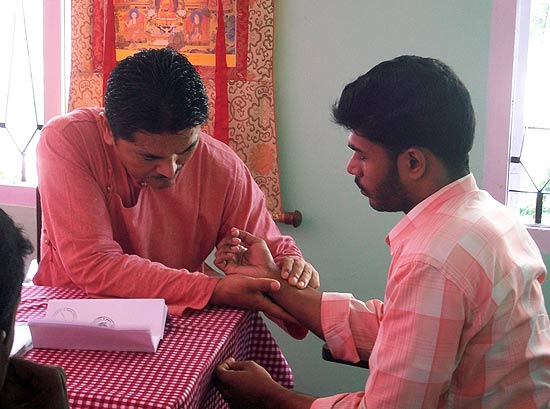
(168, 167)
(351, 168)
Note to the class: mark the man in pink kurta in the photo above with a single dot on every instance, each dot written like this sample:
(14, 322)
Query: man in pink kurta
(463, 322)
(135, 197)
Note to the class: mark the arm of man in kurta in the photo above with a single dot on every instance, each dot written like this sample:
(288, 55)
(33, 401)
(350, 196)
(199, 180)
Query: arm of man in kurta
(80, 233)
(257, 261)
(225, 252)
(247, 210)
(245, 207)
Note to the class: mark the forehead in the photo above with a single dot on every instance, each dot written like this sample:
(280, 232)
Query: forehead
(362, 144)
(165, 143)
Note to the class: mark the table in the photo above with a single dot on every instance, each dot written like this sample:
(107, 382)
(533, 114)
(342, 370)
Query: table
(178, 375)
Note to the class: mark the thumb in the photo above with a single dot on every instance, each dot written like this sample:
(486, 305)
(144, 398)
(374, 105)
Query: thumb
(268, 285)
(234, 365)
(227, 365)
(247, 238)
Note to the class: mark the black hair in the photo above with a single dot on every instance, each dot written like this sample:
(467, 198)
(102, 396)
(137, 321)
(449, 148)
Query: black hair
(13, 249)
(412, 101)
(156, 91)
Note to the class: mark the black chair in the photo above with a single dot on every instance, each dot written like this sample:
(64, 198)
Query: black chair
(38, 224)
(327, 356)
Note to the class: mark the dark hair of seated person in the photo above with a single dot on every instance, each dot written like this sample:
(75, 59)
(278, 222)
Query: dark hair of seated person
(14, 246)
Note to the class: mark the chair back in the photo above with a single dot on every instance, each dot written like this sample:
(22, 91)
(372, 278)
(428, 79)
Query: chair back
(38, 225)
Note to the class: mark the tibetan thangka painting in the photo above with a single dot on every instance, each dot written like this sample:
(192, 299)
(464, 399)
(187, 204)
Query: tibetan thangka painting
(185, 25)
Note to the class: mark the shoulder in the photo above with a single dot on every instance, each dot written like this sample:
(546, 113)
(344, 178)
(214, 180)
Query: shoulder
(76, 133)
(76, 127)
(216, 164)
(474, 241)
(218, 155)
(79, 117)
(215, 147)
(79, 125)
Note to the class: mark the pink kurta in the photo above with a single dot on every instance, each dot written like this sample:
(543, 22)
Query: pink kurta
(110, 238)
(463, 323)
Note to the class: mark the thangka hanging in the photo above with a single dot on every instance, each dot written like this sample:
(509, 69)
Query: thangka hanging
(235, 63)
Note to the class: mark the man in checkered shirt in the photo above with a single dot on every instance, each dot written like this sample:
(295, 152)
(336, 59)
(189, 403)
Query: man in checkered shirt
(463, 322)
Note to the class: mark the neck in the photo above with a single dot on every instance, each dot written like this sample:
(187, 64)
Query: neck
(435, 178)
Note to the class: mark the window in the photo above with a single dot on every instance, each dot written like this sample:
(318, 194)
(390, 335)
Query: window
(517, 165)
(21, 88)
(529, 178)
(31, 86)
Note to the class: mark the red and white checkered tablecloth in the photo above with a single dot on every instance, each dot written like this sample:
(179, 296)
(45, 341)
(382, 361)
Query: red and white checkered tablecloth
(178, 375)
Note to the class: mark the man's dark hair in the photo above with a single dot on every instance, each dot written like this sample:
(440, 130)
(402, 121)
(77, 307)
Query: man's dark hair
(156, 91)
(13, 249)
(412, 101)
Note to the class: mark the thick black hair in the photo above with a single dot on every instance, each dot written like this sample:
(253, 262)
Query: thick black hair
(412, 101)
(156, 91)
(13, 249)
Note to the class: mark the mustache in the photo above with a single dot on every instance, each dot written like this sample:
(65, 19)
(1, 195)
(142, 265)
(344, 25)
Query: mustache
(162, 177)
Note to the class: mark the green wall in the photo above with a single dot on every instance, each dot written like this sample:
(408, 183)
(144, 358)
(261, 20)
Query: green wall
(319, 47)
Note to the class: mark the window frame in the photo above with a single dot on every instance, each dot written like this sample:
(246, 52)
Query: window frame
(55, 54)
(507, 58)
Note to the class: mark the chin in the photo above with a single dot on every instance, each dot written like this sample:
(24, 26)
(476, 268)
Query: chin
(384, 208)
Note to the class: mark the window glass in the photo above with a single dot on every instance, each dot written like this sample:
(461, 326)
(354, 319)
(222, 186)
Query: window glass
(21, 89)
(529, 178)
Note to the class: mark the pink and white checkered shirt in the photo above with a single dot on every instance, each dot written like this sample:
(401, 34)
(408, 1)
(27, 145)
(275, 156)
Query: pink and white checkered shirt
(463, 322)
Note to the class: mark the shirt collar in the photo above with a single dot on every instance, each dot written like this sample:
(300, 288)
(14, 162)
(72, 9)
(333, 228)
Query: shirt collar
(464, 184)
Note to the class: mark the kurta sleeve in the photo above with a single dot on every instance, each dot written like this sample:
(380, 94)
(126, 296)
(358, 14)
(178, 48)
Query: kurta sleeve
(245, 208)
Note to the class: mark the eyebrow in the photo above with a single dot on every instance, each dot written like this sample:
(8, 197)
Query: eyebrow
(190, 147)
(354, 148)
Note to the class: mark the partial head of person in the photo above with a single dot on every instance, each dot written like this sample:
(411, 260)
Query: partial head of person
(412, 127)
(155, 104)
(13, 249)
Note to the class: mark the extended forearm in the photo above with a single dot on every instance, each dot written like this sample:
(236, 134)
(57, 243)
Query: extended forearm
(302, 304)
(289, 399)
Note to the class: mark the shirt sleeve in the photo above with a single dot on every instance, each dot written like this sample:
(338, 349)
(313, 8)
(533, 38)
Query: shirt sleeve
(416, 333)
(80, 236)
(342, 400)
(350, 326)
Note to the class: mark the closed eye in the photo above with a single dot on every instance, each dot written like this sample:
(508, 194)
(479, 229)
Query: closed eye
(150, 158)
(360, 157)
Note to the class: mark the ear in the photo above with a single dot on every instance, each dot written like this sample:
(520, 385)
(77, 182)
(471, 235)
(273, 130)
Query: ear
(3, 335)
(412, 163)
(105, 129)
